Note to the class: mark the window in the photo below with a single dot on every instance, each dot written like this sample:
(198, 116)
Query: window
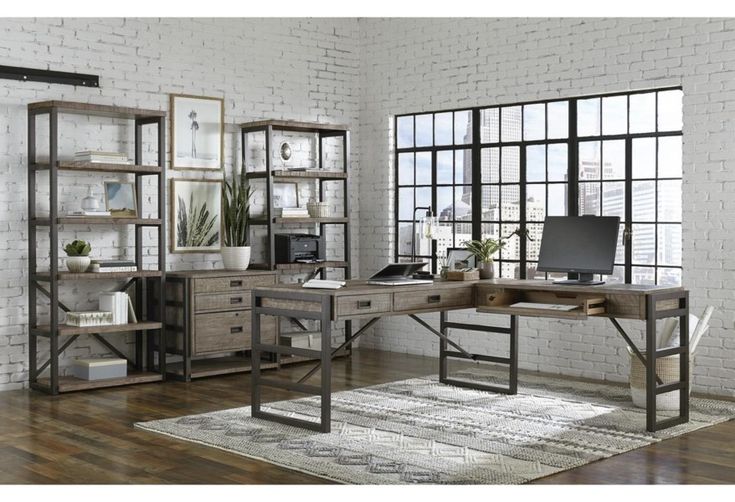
(491, 171)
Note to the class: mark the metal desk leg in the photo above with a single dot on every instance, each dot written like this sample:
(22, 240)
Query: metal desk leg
(255, 358)
(326, 373)
(650, 363)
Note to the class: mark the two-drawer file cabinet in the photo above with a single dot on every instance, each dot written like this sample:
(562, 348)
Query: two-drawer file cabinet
(208, 321)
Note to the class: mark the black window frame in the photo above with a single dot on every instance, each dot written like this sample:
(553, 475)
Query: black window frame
(572, 141)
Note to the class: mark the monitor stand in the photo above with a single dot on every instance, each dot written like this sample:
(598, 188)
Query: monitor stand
(582, 280)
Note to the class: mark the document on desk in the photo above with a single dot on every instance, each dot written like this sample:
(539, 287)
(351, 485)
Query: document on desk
(545, 306)
(323, 284)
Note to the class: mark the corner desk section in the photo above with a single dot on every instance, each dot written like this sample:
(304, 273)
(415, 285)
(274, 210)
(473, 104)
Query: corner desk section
(358, 300)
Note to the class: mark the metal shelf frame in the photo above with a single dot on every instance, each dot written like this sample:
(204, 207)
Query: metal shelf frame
(54, 331)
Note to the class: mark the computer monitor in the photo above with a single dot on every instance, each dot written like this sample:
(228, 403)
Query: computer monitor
(584, 245)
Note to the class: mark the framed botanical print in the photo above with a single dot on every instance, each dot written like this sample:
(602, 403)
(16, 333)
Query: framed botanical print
(197, 132)
(196, 221)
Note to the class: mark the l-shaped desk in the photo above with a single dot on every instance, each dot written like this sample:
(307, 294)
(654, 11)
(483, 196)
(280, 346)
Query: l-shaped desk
(358, 300)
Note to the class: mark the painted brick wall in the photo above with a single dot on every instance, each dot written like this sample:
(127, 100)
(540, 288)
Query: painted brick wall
(413, 65)
(301, 69)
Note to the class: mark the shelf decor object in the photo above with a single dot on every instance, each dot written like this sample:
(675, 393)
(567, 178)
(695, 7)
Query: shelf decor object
(196, 225)
(77, 256)
(280, 184)
(197, 132)
(53, 337)
(236, 195)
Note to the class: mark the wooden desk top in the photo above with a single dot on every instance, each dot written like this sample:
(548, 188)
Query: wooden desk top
(361, 287)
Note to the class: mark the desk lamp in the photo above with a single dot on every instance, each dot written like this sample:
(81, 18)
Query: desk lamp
(428, 223)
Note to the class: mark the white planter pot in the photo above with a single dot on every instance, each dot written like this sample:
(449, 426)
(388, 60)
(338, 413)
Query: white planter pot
(78, 264)
(236, 258)
(487, 270)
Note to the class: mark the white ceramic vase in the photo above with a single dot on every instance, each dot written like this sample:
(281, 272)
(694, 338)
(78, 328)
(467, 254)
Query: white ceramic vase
(236, 258)
(78, 264)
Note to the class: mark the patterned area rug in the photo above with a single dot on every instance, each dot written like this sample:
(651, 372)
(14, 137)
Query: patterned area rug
(420, 431)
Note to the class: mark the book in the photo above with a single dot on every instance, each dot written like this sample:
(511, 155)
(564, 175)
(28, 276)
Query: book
(323, 284)
(117, 303)
(88, 213)
(89, 318)
(102, 266)
(102, 157)
(131, 311)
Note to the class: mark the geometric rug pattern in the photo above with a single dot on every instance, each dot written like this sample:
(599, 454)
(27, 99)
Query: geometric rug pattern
(419, 431)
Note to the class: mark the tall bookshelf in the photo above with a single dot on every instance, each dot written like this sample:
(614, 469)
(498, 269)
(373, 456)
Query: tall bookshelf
(322, 177)
(143, 366)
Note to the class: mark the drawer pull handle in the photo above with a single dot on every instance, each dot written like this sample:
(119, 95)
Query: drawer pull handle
(235, 284)
(236, 329)
(236, 299)
(364, 304)
(434, 299)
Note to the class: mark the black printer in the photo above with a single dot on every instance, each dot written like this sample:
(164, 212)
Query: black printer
(291, 248)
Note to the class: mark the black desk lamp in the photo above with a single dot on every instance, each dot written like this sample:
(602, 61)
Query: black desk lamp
(423, 273)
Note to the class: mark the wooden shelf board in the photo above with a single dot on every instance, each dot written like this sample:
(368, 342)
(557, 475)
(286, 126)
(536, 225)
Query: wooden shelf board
(288, 221)
(97, 110)
(293, 125)
(201, 368)
(71, 384)
(100, 167)
(65, 329)
(46, 276)
(526, 312)
(97, 220)
(315, 174)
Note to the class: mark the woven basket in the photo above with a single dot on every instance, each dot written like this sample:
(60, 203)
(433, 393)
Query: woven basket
(318, 209)
(667, 368)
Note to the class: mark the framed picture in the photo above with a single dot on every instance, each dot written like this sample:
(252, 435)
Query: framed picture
(285, 195)
(120, 199)
(196, 222)
(197, 132)
(459, 258)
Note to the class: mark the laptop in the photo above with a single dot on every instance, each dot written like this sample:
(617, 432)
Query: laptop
(398, 274)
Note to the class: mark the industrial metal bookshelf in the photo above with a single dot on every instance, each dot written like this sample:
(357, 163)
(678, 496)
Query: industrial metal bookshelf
(47, 282)
(320, 175)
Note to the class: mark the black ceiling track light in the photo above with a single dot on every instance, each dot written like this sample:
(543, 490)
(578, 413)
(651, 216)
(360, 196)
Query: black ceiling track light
(49, 76)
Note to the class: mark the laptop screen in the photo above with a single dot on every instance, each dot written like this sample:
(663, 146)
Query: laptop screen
(398, 270)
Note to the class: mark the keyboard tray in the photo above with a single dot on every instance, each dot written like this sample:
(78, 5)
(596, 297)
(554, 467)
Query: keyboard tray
(498, 300)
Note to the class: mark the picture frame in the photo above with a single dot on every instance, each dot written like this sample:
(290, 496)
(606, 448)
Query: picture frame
(121, 199)
(196, 203)
(459, 258)
(197, 132)
(285, 194)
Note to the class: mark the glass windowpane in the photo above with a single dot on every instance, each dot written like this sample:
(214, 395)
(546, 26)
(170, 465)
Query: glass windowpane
(511, 124)
(669, 276)
(443, 132)
(669, 245)
(613, 199)
(463, 127)
(534, 122)
(558, 119)
(423, 168)
(490, 200)
(589, 160)
(423, 197)
(444, 167)
(511, 164)
(669, 200)
(644, 158)
(463, 167)
(405, 132)
(557, 204)
(509, 203)
(669, 157)
(405, 169)
(589, 199)
(615, 115)
(405, 203)
(644, 275)
(424, 130)
(588, 117)
(558, 162)
(536, 163)
(536, 202)
(642, 112)
(490, 165)
(644, 200)
(445, 203)
(489, 125)
(644, 244)
(613, 159)
(670, 110)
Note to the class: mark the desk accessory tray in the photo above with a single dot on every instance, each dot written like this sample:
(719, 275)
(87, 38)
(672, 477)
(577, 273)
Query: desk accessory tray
(457, 275)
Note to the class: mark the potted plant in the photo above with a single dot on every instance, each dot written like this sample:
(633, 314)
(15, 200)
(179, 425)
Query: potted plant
(236, 196)
(77, 253)
(483, 251)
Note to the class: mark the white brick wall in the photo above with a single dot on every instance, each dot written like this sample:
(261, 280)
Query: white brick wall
(413, 65)
(301, 69)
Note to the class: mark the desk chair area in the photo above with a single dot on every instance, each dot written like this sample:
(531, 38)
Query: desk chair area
(358, 300)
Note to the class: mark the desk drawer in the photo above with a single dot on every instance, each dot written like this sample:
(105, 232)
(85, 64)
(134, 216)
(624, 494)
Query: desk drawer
(234, 283)
(423, 300)
(237, 300)
(363, 304)
(228, 332)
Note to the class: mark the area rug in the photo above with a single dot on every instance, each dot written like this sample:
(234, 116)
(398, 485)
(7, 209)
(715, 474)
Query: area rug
(421, 431)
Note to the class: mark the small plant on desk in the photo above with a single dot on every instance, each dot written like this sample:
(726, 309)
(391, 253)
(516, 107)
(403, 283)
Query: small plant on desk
(483, 251)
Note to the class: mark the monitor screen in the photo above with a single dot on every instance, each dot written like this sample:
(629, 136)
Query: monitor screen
(583, 244)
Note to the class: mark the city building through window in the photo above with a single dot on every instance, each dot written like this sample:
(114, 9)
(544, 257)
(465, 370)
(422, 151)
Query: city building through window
(492, 171)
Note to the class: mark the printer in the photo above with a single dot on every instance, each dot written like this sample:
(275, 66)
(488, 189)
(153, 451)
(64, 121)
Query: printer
(291, 248)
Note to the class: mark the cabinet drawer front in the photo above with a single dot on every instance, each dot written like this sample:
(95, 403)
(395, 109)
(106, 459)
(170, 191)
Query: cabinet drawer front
(363, 304)
(424, 300)
(237, 300)
(229, 331)
(234, 283)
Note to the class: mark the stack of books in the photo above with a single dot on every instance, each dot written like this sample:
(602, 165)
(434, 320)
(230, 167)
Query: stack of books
(120, 305)
(103, 266)
(294, 212)
(102, 157)
(82, 212)
(88, 318)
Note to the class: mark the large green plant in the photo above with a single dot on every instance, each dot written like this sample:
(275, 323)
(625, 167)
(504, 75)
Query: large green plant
(236, 195)
(483, 250)
(78, 248)
(195, 225)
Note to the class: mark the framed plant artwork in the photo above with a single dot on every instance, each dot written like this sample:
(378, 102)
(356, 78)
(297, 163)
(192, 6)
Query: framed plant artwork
(120, 199)
(197, 132)
(196, 222)
(460, 258)
(285, 195)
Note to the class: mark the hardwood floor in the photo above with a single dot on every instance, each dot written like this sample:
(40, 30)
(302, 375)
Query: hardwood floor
(87, 437)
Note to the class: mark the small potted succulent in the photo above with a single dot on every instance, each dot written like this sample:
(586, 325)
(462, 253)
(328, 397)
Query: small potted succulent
(77, 253)
(483, 251)
(236, 196)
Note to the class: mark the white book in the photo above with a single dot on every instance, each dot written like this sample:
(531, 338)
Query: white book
(323, 284)
(107, 304)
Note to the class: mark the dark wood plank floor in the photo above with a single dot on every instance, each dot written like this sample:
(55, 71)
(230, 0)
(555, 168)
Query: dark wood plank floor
(87, 437)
